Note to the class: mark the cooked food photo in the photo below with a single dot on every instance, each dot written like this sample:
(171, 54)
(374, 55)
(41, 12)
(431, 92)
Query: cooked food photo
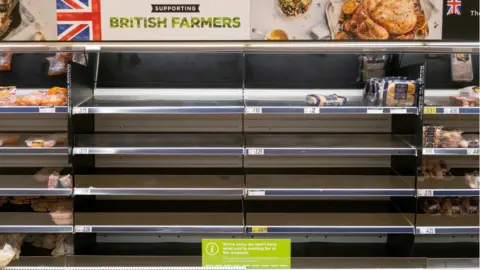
(379, 19)
(9, 16)
(294, 8)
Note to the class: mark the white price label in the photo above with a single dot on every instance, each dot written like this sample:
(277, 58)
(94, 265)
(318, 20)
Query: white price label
(425, 192)
(398, 111)
(82, 191)
(256, 151)
(450, 110)
(80, 110)
(47, 110)
(81, 151)
(256, 192)
(426, 230)
(254, 109)
(428, 151)
(311, 110)
(473, 151)
(374, 111)
(93, 48)
(83, 229)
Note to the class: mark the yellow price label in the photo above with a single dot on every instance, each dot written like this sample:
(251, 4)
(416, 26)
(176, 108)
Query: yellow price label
(258, 229)
(430, 110)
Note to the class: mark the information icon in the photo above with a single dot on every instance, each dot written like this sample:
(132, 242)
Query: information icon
(212, 249)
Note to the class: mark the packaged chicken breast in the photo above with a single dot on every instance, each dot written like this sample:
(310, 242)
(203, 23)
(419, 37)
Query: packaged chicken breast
(5, 61)
(57, 66)
(34, 99)
(41, 141)
(6, 139)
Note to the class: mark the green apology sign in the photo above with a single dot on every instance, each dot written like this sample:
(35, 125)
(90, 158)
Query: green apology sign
(249, 253)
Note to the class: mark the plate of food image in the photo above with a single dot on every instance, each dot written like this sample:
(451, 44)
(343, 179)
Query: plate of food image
(10, 17)
(379, 19)
(293, 8)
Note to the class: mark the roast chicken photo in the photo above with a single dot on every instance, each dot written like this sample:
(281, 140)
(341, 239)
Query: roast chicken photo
(377, 19)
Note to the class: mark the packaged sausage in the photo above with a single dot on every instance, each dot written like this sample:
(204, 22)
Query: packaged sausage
(8, 95)
(5, 61)
(432, 206)
(435, 169)
(57, 66)
(450, 138)
(8, 139)
(457, 207)
(432, 136)
(462, 67)
(326, 101)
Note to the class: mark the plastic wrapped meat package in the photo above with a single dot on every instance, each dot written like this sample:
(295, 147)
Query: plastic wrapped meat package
(8, 95)
(462, 67)
(55, 180)
(435, 169)
(6, 61)
(440, 137)
(62, 213)
(466, 97)
(451, 206)
(325, 100)
(55, 96)
(372, 66)
(40, 141)
(60, 244)
(472, 179)
(6, 139)
(10, 248)
(57, 65)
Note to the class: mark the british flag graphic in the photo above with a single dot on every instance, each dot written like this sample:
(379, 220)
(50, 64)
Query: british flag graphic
(79, 20)
(454, 7)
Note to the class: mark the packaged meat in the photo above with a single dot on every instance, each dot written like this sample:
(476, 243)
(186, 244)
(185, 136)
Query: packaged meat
(63, 245)
(57, 181)
(435, 169)
(464, 101)
(54, 100)
(470, 205)
(432, 136)
(372, 66)
(5, 61)
(450, 138)
(44, 174)
(398, 92)
(457, 207)
(80, 58)
(447, 207)
(41, 141)
(432, 206)
(57, 66)
(34, 99)
(469, 91)
(8, 95)
(326, 101)
(6, 139)
(462, 67)
(64, 55)
(61, 213)
(57, 91)
(10, 248)
(472, 179)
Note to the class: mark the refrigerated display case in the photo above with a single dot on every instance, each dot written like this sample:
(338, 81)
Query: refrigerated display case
(169, 143)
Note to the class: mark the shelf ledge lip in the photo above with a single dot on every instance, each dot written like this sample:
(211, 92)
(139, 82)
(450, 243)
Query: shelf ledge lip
(53, 151)
(223, 192)
(438, 192)
(311, 110)
(451, 151)
(160, 110)
(328, 192)
(34, 109)
(243, 46)
(317, 151)
(329, 229)
(429, 230)
(182, 151)
(36, 228)
(240, 229)
(451, 110)
(35, 191)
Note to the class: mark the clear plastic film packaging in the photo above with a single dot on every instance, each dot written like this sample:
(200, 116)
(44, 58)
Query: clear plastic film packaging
(6, 61)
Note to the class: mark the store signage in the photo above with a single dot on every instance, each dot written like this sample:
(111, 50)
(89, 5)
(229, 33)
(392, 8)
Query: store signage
(142, 20)
(249, 253)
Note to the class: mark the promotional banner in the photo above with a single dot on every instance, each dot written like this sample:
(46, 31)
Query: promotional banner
(115, 20)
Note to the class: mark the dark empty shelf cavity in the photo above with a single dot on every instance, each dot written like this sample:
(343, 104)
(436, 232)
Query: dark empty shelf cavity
(328, 223)
(165, 144)
(157, 105)
(17, 222)
(452, 225)
(189, 223)
(160, 185)
(259, 186)
(326, 144)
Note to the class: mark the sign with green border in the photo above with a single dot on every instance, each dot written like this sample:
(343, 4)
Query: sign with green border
(249, 253)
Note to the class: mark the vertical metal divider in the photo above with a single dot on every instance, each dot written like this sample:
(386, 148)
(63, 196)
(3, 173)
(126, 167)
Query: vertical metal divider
(244, 67)
(81, 86)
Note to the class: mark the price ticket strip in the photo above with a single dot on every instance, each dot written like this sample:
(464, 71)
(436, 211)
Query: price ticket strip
(34, 109)
(157, 151)
(452, 230)
(330, 110)
(160, 110)
(451, 110)
(287, 192)
(35, 191)
(448, 192)
(451, 151)
(330, 229)
(159, 229)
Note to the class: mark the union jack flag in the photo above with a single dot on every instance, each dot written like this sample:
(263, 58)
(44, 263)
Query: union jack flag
(454, 7)
(79, 20)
